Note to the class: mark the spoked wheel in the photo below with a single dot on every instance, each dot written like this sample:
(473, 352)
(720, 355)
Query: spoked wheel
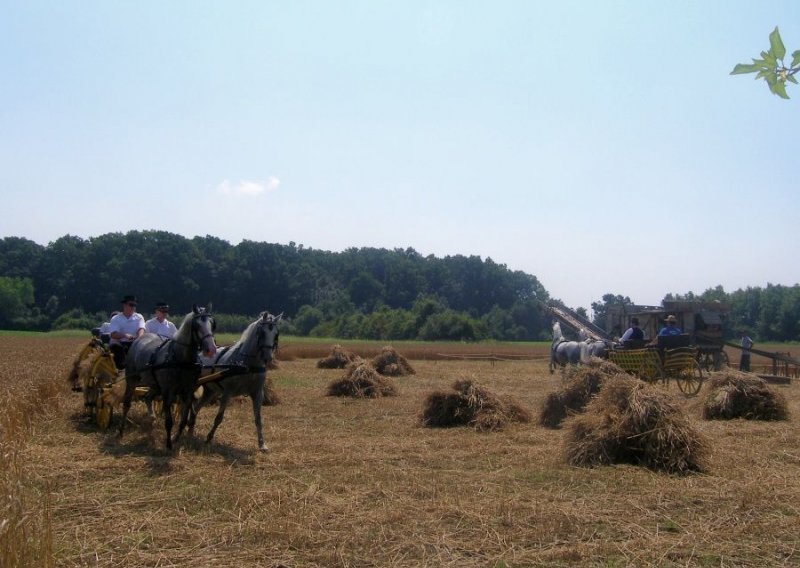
(722, 361)
(708, 361)
(104, 408)
(690, 381)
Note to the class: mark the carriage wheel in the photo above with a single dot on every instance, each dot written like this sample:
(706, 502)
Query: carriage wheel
(708, 361)
(101, 375)
(104, 410)
(650, 373)
(691, 380)
(722, 360)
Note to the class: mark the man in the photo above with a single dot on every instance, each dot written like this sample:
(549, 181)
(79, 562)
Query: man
(124, 328)
(634, 332)
(670, 328)
(160, 325)
(747, 343)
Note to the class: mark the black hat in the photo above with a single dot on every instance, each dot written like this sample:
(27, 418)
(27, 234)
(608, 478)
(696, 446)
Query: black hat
(129, 299)
(163, 306)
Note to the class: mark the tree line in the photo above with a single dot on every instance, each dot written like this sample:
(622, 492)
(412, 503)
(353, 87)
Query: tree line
(364, 293)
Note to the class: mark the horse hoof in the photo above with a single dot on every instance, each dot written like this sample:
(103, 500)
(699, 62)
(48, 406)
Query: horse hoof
(264, 448)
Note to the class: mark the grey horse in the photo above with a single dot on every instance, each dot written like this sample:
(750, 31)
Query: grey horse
(169, 367)
(563, 352)
(594, 347)
(244, 365)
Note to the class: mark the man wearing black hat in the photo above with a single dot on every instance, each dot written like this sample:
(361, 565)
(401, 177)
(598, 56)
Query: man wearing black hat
(160, 325)
(125, 327)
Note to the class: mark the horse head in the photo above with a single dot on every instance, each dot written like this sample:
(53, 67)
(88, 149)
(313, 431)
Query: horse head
(203, 327)
(268, 334)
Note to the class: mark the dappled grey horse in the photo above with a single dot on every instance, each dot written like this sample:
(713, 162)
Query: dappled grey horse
(563, 352)
(169, 367)
(244, 367)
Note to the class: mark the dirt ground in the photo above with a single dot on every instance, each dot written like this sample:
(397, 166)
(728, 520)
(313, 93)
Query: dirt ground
(357, 483)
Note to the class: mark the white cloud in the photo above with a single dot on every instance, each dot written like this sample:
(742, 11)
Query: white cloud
(247, 187)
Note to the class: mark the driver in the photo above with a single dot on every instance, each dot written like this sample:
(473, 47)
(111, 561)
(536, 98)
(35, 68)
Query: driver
(124, 328)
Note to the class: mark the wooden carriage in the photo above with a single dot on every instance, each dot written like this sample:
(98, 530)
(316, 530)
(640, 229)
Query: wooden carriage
(673, 358)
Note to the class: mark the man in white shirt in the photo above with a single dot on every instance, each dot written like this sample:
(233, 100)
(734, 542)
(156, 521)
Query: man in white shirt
(124, 328)
(160, 324)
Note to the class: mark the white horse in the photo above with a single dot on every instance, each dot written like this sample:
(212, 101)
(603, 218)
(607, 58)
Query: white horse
(563, 352)
(594, 347)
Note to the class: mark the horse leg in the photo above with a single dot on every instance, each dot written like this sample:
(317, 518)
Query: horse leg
(258, 401)
(223, 403)
(167, 399)
(186, 406)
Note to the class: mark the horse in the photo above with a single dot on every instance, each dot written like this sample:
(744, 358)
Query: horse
(594, 347)
(244, 367)
(563, 351)
(169, 367)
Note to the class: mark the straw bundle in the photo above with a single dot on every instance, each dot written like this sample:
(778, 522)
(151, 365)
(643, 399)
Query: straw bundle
(390, 363)
(632, 422)
(581, 384)
(471, 405)
(338, 359)
(271, 397)
(361, 381)
(732, 394)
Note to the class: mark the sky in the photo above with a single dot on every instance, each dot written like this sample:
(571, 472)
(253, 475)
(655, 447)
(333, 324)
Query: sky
(602, 146)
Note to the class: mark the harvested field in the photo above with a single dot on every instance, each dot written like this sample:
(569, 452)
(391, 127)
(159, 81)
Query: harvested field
(353, 482)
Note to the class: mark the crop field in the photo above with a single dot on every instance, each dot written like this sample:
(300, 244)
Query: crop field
(361, 483)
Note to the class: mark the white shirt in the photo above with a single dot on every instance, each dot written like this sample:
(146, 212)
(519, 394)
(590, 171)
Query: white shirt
(124, 325)
(163, 328)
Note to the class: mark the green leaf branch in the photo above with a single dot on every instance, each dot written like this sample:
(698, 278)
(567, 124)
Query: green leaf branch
(771, 67)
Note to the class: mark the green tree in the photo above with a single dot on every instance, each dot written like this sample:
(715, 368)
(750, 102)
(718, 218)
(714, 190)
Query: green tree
(16, 295)
(771, 67)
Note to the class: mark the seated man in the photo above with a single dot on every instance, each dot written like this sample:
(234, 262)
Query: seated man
(124, 328)
(633, 336)
(670, 328)
(160, 325)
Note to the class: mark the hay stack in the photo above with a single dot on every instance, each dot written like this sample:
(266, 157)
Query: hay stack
(732, 394)
(471, 405)
(361, 381)
(632, 422)
(391, 364)
(338, 359)
(271, 397)
(581, 384)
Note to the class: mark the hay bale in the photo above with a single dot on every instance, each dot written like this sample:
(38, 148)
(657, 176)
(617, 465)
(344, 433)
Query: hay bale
(361, 381)
(391, 364)
(471, 405)
(338, 359)
(632, 422)
(271, 397)
(732, 394)
(580, 386)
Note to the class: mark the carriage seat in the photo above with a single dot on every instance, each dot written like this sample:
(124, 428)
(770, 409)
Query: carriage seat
(674, 341)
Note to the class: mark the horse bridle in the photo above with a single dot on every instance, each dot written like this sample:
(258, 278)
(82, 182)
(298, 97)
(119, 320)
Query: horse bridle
(262, 334)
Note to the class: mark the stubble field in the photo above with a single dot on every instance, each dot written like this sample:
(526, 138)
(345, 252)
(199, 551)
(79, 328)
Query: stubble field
(355, 483)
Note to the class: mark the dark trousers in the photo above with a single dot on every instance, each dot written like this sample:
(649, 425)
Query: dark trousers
(119, 351)
(744, 362)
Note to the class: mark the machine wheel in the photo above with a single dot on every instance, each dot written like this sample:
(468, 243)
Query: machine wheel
(101, 376)
(105, 410)
(690, 380)
(707, 361)
(722, 361)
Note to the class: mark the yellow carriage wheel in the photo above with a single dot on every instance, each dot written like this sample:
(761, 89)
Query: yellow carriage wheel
(104, 409)
(100, 376)
(690, 380)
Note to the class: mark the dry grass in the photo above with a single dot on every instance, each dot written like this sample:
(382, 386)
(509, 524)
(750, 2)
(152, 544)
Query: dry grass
(355, 483)
(338, 358)
(732, 394)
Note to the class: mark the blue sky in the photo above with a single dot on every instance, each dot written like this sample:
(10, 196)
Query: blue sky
(600, 146)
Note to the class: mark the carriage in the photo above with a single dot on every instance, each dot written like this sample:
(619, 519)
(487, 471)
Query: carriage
(673, 358)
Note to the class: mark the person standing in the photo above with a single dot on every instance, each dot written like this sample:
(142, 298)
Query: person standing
(124, 328)
(747, 343)
(160, 325)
